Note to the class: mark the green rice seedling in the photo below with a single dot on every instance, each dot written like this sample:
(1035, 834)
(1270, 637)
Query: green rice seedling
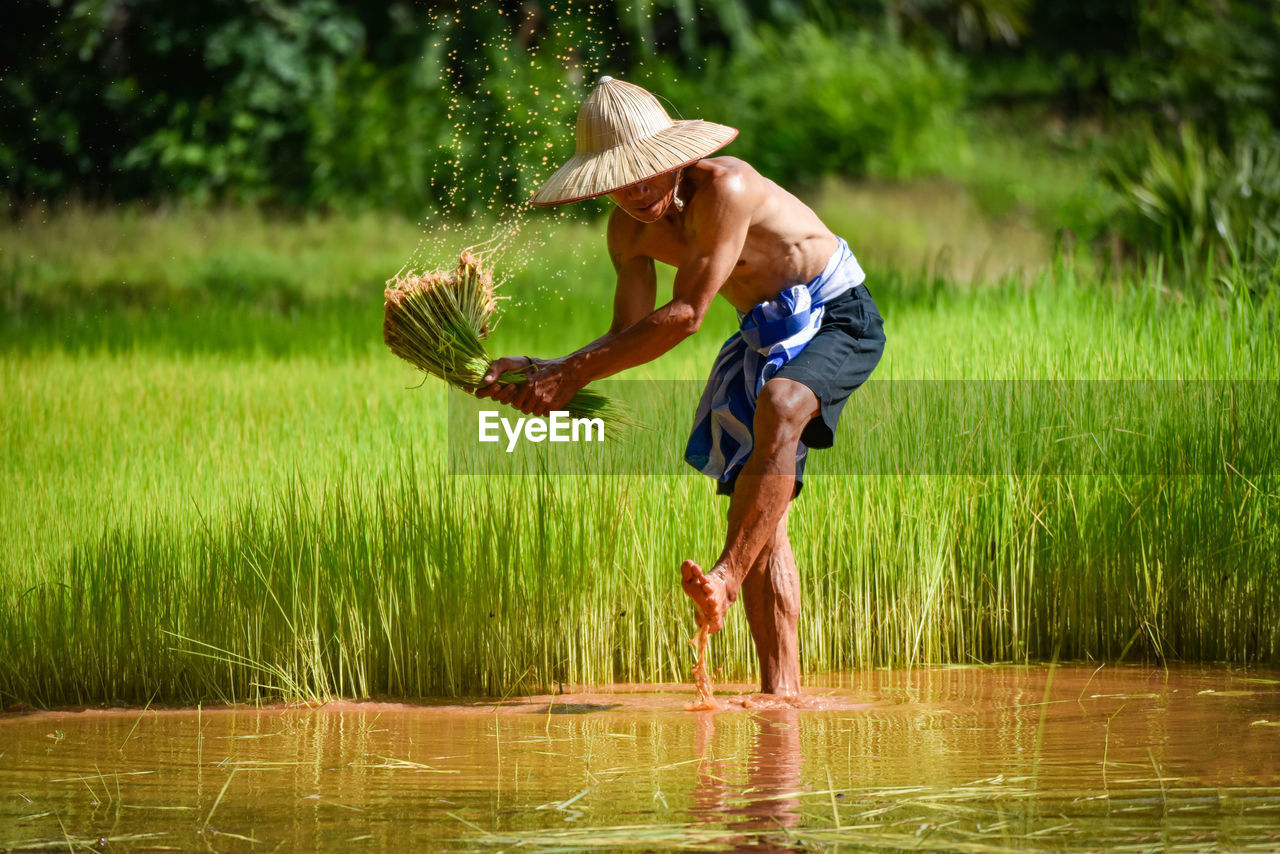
(438, 323)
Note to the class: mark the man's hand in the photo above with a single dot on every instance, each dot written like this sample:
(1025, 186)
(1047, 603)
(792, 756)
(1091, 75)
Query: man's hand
(502, 392)
(550, 385)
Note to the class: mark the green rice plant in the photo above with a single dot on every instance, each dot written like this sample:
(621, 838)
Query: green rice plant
(438, 322)
(193, 523)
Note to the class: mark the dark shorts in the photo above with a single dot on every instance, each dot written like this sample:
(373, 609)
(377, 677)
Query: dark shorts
(843, 353)
(840, 357)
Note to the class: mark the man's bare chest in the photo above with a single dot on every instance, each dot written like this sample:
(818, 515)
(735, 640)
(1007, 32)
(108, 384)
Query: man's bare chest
(669, 245)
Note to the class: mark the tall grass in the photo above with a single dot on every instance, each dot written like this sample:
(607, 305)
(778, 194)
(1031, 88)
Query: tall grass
(187, 521)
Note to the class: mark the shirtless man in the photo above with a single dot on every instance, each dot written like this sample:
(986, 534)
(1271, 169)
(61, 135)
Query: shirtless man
(810, 335)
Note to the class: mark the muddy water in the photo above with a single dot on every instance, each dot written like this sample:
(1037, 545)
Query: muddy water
(936, 759)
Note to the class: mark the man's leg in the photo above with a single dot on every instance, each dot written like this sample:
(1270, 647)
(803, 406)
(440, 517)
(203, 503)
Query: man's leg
(771, 597)
(760, 498)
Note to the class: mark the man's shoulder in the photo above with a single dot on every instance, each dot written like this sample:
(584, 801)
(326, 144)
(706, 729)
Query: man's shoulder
(622, 225)
(622, 234)
(726, 184)
(729, 178)
(723, 169)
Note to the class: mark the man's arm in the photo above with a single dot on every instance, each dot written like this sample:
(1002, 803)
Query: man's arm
(717, 232)
(634, 297)
(640, 332)
(637, 290)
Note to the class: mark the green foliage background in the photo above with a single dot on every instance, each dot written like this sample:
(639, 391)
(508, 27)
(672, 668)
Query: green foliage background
(316, 103)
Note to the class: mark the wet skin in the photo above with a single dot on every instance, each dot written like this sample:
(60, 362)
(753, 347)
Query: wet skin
(744, 238)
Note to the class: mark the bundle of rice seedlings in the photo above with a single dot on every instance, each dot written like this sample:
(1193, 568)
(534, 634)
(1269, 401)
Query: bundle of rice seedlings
(438, 322)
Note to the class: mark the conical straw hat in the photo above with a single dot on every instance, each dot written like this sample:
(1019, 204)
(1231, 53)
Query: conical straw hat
(624, 136)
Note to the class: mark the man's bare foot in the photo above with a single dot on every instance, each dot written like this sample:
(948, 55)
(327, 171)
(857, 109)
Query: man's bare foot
(707, 590)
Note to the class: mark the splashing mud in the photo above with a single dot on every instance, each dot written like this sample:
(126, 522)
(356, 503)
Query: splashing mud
(704, 696)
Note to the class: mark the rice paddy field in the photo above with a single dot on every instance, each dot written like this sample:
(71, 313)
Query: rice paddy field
(218, 485)
(242, 569)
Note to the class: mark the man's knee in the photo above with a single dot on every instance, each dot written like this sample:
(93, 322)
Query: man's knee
(783, 409)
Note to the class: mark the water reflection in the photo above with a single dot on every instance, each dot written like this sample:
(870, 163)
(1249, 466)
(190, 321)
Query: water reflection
(767, 801)
(936, 759)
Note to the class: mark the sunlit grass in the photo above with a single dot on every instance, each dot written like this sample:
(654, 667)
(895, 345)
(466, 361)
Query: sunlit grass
(936, 226)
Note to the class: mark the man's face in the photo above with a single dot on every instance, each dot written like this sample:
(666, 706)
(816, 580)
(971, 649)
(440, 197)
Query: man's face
(648, 200)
